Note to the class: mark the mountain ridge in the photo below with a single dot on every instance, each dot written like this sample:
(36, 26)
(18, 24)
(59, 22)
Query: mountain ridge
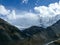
(11, 35)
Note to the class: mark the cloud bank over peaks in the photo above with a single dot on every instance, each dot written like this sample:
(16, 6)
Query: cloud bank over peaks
(26, 20)
(45, 16)
(48, 14)
(22, 20)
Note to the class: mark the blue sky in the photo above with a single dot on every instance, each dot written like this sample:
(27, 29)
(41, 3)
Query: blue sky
(27, 13)
(27, 5)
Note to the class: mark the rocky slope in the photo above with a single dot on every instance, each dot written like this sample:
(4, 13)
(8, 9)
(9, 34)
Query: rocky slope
(10, 35)
(39, 35)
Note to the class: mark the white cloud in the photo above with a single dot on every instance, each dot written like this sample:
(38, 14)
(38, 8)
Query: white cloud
(26, 20)
(3, 10)
(49, 13)
(22, 20)
(25, 1)
(11, 15)
(7, 13)
(46, 16)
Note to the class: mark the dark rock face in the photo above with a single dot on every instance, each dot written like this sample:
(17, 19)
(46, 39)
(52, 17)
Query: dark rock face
(56, 28)
(32, 30)
(39, 35)
(10, 35)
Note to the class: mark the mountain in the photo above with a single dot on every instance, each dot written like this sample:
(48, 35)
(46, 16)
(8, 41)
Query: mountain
(34, 35)
(40, 36)
(56, 28)
(9, 34)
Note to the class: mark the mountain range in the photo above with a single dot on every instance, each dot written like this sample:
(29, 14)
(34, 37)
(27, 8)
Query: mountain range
(34, 35)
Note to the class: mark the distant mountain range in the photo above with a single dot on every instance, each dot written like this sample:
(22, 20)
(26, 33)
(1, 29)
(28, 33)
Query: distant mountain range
(11, 35)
